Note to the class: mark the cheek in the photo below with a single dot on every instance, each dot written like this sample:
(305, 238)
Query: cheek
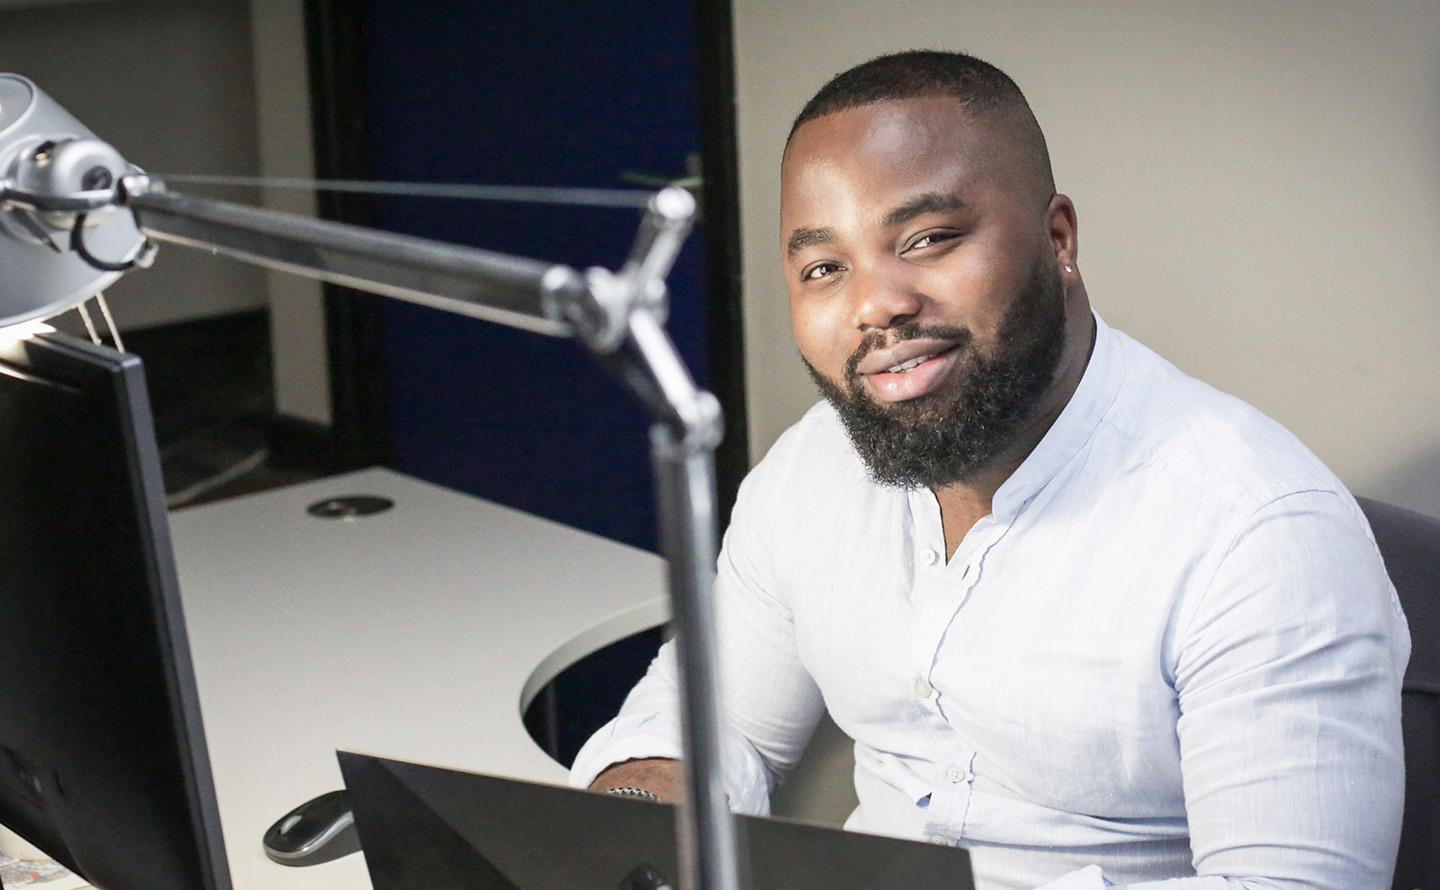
(821, 334)
(976, 290)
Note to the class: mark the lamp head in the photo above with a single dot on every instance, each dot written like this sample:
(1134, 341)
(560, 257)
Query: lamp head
(52, 169)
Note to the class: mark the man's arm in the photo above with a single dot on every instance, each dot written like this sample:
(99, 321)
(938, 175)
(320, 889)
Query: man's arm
(1288, 673)
(769, 703)
(769, 706)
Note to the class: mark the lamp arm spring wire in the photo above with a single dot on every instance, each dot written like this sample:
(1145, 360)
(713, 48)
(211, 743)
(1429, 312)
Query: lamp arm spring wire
(77, 244)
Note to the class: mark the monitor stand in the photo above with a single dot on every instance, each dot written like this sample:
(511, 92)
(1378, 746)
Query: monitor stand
(426, 828)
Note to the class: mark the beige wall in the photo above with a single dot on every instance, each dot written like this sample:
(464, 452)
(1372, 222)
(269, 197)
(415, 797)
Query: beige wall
(282, 99)
(1258, 186)
(168, 83)
(192, 86)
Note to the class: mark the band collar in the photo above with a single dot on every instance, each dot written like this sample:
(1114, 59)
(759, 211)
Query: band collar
(1072, 429)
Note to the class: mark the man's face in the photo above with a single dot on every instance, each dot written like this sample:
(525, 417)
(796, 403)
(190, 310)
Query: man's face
(925, 292)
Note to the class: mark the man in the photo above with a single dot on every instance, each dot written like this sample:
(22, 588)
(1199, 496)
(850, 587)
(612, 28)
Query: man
(1080, 613)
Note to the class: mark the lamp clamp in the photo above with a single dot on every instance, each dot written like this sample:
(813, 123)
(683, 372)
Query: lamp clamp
(601, 313)
(64, 176)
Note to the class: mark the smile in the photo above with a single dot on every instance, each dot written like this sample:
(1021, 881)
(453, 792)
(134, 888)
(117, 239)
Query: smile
(916, 376)
(905, 366)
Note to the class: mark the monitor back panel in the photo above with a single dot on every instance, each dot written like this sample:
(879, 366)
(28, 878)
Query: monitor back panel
(102, 756)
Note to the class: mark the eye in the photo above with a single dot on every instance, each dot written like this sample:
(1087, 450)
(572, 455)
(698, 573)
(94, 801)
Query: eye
(819, 271)
(929, 239)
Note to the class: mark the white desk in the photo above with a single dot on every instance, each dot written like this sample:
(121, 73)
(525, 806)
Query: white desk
(419, 633)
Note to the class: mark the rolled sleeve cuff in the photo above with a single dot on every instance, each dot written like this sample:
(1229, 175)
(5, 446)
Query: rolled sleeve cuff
(640, 736)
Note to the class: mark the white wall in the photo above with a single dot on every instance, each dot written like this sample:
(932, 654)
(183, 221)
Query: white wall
(168, 83)
(1258, 186)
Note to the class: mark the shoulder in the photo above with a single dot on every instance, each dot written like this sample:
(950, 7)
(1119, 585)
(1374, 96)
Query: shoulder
(811, 487)
(1187, 431)
(787, 506)
(1251, 522)
(815, 451)
(1194, 472)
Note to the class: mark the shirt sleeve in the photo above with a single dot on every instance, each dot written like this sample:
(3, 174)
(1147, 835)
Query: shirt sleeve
(769, 702)
(1288, 673)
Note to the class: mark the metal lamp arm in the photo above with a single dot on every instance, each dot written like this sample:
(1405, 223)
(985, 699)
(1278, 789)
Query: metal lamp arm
(509, 290)
(618, 316)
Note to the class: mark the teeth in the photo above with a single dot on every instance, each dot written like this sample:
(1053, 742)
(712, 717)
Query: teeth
(905, 366)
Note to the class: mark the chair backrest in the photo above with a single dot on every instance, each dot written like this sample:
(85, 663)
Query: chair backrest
(1410, 544)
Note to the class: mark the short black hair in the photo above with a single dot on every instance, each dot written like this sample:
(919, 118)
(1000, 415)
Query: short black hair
(979, 86)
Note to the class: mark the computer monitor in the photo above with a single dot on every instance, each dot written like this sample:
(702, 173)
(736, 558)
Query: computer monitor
(102, 755)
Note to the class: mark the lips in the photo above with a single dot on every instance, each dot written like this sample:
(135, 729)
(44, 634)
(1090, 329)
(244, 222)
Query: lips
(874, 358)
(908, 370)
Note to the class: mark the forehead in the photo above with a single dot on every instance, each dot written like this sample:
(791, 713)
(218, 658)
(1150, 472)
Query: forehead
(881, 151)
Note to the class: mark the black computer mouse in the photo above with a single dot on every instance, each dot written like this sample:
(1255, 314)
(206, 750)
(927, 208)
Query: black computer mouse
(317, 831)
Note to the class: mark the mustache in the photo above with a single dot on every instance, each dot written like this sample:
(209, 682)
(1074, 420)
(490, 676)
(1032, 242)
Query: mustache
(911, 330)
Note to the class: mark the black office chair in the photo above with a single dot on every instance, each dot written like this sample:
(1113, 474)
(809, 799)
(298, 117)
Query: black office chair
(1410, 543)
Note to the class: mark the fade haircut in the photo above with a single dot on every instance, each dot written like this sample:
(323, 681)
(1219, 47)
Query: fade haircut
(982, 89)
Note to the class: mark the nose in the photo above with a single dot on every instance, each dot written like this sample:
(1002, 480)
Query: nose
(885, 296)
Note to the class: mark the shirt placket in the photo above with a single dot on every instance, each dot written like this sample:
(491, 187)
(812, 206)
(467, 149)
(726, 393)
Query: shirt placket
(943, 592)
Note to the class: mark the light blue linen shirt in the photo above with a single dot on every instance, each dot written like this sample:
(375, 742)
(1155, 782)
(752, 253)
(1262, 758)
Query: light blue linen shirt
(1171, 651)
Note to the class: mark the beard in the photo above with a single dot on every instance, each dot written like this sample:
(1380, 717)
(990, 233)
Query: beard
(948, 436)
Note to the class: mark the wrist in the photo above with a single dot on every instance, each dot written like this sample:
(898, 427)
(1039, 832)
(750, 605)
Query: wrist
(661, 778)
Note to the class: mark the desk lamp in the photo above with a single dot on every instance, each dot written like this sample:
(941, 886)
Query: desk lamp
(75, 215)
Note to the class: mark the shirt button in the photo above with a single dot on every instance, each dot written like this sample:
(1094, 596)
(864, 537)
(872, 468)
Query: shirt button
(940, 839)
(955, 774)
(928, 557)
(922, 689)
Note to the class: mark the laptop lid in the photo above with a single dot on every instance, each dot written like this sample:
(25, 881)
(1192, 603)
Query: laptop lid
(427, 828)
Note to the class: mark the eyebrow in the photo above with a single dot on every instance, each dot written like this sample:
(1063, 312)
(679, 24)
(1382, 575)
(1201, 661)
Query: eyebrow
(803, 238)
(930, 202)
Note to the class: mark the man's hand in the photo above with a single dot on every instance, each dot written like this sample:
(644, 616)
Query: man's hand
(660, 776)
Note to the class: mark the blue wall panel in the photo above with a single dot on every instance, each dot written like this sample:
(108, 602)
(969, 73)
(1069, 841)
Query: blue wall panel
(556, 94)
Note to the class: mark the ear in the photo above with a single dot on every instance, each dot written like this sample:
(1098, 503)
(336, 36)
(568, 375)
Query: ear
(1062, 229)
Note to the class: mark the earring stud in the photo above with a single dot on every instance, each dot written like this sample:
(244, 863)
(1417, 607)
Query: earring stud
(1069, 268)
